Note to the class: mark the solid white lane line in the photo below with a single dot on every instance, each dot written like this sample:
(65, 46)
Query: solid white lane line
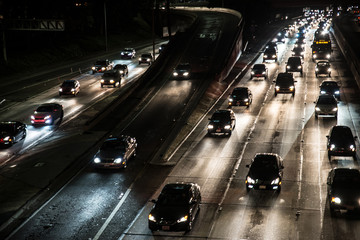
(112, 214)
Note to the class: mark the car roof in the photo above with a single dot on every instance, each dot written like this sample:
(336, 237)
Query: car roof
(329, 82)
(260, 65)
(177, 186)
(297, 59)
(330, 96)
(346, 172)
(340, 128)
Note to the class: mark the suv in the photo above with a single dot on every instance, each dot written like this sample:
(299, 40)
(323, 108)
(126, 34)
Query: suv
(176, 207)
(270, 54)
(343, 189)
(222, 122)
(146, 58)
(341, 142)
(285, 84)
(265, 172)
(259, 70)
(326, 105)
(111, 77)
(102, 66)
(294, 64)
(240, 96)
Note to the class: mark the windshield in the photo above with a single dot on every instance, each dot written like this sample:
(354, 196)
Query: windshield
(174, 197)
(350, 181)
(239, 92)
(45, 109)
(68, 84)
(220, 117)
(265, 162)
(100, 63)
(113, 145)
(327, 100)
(6, 127)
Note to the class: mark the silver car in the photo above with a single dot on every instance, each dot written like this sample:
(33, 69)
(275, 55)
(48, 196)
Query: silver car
(326, 105)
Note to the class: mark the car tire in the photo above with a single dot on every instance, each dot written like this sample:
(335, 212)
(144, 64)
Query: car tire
(275, 94)
(316, 116)
(329, 156)
(114, 85)
(248, 189)
(190, 224)
(293, 94)
(332, 212)
(278, 190)
(102, 86)
(24, 135)
(139, 63)
(355, 157)
(316, 75)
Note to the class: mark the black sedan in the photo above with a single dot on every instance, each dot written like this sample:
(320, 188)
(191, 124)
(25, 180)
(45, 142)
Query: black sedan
(330, 87)
(115, 152)
(343, 189)
(265, 172)
(323, 68)
(69, 87)
(240, 96)
(176, 207)
(222, 122)
(11, 132)
(182, 71)
(259, 70)
(341, 142)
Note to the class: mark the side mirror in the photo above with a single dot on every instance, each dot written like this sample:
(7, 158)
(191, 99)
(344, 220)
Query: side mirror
(295, 81)
(314, 101)
(327, 136)
(355, 137)
(152, 200)
(282, 167)
(209, 118)
(274, 81)
(247, 165)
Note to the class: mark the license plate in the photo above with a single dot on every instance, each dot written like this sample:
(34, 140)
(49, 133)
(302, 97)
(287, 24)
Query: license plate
(165, 228)
(262, 187)
(350, 207)
(218, 130)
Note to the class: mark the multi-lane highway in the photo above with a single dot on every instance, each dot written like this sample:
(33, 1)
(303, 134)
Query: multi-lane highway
(114, 204)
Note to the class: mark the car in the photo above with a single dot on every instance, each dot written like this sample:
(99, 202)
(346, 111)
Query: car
(323, 68)
(111, 77)
(102, 66)
(330, 87)
(69, 87)
(47, 114)
(240, 96)
(343, 189)
(285, 83)
(265, 172)
(128, 53)
(162, 47)
(298, 52)
(176, 207)
(259, 70)
(115, 152)
(182, 71)
(222, 122)
(146, 58)
(280, 37)
(341, 142)
(11, 132)
(294, 64)
(271, 45)
(326, 106)
(270, 54)
(300, 35)
(122, 68)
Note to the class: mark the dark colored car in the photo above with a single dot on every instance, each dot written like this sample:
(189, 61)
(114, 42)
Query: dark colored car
(330, 87)
(47, 114)
(343, 189)
(280, 37)
(69, 87)
(240, 96)
(285, 83)
(222, 122)
(12, 132)
(115, 152)
(176, 207)
(122, 68)
(298, 52)
(294, 64)
(341, 142)
(146, 58)
(265, 172)
(323, 67)
(271, 45)
(182, 71)
(259, 70)
(300, 42)
(270, 54)
(111, 77)
(128, 53)
(102, 66)
(326, 105)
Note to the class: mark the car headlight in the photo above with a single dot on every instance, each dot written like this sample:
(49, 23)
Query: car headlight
(227, 127)
(337, 92)
(316, 69)
(352, 147)
(60, 90)
(186, 74)
(47, 117)
(152, 218)
(322, 92)
(288, 67)
(274, 56)
(32, 117)
(252, 72)
(121, 71)
(93, 68)
(139, 59)
(102, 80)
(299, 67)
(148, 59)
(291, 88)
(118, 160)
(277, 87)
(332, 147)
(97, 160)
(175, 74)
(302, 53)
(231, 100)
(103, 68)
(314, 56)
(210, 126)
(334, 109)
(336, 200)
(246, 100)
(183, 219)
(275, 181)
(328, 56)
(296, 45)
(249, 180)
(329, 70)
(73, 89)
(263, 73)
(265, 56)
(112, 81)
(317, 109)
(122, 53)
(6, 138)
